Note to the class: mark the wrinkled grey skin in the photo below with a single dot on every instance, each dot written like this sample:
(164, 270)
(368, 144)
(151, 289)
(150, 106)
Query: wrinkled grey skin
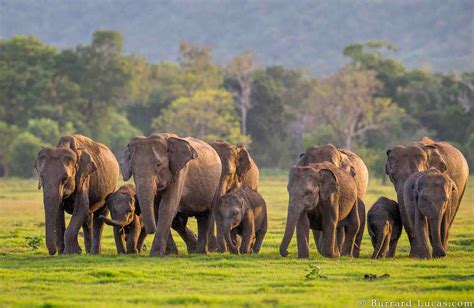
(403, 161)
(76, 176)
(385, 227)
(129, 232)
(243, 212)
(238, 169)
(173, 176)
(322, 197)
(351, 163)
(430, 201)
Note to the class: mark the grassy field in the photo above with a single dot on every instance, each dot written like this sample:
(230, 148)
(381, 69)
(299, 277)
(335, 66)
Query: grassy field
(31, 277)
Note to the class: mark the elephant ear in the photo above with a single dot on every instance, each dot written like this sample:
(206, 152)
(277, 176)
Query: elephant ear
(180, 153)
(387, 163)
(39, 164)
(243, 161)
(85, 166)
(126, 164)
(434, 157)
(329, 183)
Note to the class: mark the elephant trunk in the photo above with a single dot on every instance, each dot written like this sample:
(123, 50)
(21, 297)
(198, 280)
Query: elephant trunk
(233, 248)
(112, 222)
(51, 202)
(291, 220)
(146, 192)
(435, 229)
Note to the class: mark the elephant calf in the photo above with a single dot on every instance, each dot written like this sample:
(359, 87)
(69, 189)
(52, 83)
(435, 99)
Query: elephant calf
(385, 227)
(243, 212)
(431, 200)
(126, 220)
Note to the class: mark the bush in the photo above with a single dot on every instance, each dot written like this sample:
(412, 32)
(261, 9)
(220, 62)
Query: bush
(120, 133)
(22, 153)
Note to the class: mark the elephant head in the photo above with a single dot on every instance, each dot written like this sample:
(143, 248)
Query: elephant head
(403, 161)
(61, 171)
(230, 211)
(432, 193)
(123, 206)
(327, 153)
(236, 163)
(154, 162)
(306, 187)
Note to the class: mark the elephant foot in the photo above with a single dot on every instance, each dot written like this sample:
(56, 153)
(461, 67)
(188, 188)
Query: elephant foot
(439, 253)
(73, 250)
(303, 255)
(157, 254)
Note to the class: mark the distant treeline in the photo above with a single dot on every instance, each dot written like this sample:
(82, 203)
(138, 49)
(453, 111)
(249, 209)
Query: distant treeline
(372, 103)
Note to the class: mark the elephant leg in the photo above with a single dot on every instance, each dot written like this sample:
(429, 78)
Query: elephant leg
(341, 237)
(203, 222)
(212, 240)
(171, 248)
(351, 230)
(302, 235)
(87, 231)
(97, 229)
(408, 225)
(166, 213)
(141, 239)
(119, 240)
(133, 237)
(360, 233)
(79, 217)
(328, 246)
(60, 229)
(393, 248)
(259, 236)
(248, 233)
(188, 236)
(317, 235)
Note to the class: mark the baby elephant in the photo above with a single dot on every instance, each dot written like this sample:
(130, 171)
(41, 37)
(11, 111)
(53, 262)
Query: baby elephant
(126, 220)
(385, 227)
(243, 212)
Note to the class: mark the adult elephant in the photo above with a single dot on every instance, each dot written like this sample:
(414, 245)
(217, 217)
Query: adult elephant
(238, 169)
(403, 161)
(76, 176)
(183, 172)
(322, 197)
(351, 163)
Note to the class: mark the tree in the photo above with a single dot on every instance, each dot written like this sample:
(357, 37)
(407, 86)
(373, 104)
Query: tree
(8, 133)
(23, 151)
(268, 121)
(26, 72)
(200, 72)
(346, 102)
(46, 130)
(122, 131)
(103, 75)
(241, 70)
(207, 115)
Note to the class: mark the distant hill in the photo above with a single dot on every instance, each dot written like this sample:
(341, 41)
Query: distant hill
(300, 34)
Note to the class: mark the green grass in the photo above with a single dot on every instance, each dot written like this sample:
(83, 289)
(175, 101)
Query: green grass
(31, 277)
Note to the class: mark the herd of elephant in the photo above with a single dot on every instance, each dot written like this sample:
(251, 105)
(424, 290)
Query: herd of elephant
(177, 178)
